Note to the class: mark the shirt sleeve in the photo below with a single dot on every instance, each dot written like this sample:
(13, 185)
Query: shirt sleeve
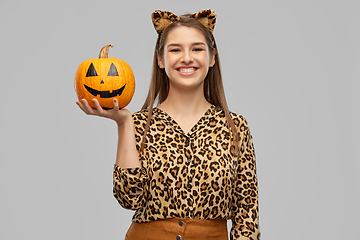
(245, 220)
(129, 187)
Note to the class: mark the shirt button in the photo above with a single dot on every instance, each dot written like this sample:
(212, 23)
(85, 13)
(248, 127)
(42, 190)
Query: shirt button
(181, 223)
(188, 210)
(189, 185)
(189, 160)
(178, 237)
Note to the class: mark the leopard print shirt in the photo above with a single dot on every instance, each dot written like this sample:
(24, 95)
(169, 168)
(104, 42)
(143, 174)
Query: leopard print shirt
(192, 175)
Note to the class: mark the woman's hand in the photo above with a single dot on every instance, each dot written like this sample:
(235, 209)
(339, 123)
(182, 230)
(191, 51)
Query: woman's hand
(120, 116)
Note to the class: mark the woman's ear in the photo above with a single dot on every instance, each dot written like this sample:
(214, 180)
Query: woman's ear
(212, 58)
(160, 62)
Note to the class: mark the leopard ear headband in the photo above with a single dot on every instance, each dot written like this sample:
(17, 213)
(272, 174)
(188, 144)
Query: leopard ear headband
(163, 19)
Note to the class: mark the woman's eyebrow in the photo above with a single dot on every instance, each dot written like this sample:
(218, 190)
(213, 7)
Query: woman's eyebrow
(199, 43)
(179, 45)
(174, 45)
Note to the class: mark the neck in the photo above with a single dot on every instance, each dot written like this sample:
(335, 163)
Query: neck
(185, 103)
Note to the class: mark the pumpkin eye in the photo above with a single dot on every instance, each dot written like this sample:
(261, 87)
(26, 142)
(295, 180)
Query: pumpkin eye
(113, 71)
(91, 71)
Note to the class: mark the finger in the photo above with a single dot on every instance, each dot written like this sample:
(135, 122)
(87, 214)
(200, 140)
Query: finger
(86, 107)
(116, 104)
(81, 105)
(97, 105)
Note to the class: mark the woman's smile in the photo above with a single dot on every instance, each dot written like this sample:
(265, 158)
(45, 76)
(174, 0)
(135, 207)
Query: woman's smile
(187, 71)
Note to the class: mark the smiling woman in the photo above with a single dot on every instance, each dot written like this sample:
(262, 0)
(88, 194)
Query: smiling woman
(187, 165)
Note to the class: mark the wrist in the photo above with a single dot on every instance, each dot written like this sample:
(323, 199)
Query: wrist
(125, 117)
(126, 123)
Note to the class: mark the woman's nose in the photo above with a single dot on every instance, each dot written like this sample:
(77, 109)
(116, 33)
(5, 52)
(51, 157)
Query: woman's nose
(187, 57)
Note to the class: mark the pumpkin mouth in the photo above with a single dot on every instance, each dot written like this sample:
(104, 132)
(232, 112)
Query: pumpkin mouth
(105, 94)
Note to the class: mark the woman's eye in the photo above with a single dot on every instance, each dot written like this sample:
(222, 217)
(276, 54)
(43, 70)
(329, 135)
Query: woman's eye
(198, 49)
(175, 50)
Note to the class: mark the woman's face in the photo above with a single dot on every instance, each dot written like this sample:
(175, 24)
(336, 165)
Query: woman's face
(186, 57)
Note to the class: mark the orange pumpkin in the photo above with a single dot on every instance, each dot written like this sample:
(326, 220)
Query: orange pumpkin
(105, 79)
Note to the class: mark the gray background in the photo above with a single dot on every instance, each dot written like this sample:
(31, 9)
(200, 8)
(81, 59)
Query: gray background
(290, 67)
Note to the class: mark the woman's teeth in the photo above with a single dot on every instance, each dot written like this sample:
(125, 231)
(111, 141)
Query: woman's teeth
(186, 70)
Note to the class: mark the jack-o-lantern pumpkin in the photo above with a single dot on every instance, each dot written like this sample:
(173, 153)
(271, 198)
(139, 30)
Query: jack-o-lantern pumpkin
(105, 79)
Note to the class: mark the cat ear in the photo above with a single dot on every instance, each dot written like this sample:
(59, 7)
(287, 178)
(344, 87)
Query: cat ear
(162, 19)
(207, 17)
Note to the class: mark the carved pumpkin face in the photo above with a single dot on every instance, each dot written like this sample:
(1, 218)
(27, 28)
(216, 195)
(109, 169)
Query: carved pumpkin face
(105, 79)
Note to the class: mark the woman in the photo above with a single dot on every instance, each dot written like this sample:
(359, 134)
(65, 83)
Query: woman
(187, 165)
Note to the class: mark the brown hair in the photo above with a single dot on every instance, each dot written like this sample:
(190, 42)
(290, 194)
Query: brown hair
(213, 85)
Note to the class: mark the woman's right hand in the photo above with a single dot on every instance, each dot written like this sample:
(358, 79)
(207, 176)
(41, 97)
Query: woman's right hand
(119, 115)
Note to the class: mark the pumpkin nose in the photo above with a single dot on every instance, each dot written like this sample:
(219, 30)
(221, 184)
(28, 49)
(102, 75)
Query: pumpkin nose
(102, 82)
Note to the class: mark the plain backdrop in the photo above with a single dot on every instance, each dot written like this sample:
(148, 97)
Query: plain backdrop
(290, 67)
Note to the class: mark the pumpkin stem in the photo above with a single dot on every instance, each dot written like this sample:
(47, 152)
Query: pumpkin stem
(105, 51)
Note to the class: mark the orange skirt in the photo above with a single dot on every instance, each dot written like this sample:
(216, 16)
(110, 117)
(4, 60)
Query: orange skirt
(179, 229)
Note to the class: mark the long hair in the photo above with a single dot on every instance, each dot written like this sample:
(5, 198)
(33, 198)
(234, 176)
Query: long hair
(213, 84)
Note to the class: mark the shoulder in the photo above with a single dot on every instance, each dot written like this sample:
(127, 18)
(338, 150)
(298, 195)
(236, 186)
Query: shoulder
(219, 112)
(140, 115)
(239, 121)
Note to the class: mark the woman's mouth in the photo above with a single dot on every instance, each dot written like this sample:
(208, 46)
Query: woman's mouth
(186, 70)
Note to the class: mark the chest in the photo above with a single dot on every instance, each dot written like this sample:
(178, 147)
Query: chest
(202, 155)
